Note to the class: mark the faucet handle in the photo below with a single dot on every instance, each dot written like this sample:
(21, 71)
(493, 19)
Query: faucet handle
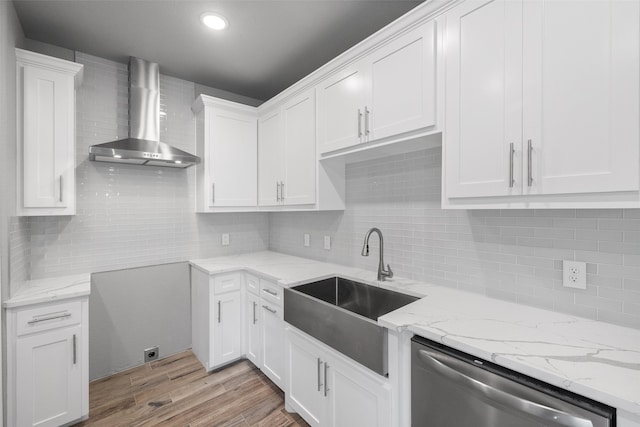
(389, 272)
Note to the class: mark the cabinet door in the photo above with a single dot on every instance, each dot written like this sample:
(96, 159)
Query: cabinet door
(403, 84)
(48, 138)
(483, 82)
(581, 95)
(300, 156)
(306, 380)
(269, 158)
(227, 328)
(341, 110)
(49, 389)
(233, 159)
(355, 398)
(254, 329)
(273, 343)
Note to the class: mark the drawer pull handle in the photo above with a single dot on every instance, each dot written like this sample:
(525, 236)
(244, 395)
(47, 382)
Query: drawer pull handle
(254, 312)
(270, 292)
(74, 350)
(266, 307)
(44, 319)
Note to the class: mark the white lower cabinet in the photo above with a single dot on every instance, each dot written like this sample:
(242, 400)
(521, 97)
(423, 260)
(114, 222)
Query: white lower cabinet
(254, 329)
(227, 333)
(272, 317)
(327, 389)
(216, 317)
(47, 364)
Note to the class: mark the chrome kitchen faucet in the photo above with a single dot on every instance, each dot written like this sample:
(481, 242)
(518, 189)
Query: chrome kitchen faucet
(382, 273)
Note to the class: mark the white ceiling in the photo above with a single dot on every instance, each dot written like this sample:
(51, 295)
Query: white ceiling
(268, 46)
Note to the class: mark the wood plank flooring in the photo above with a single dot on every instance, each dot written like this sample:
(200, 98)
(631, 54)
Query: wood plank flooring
(176, 391)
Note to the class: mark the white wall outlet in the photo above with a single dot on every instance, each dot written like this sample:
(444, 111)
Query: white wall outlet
(225, 239)
(307, 240)
(327, 242)
(574, 274)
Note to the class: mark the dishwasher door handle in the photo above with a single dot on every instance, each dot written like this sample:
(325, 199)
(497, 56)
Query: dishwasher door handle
(487, 392)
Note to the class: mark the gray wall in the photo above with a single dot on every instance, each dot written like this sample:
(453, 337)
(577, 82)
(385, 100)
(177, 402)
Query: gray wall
(509, 254)
(134, 309)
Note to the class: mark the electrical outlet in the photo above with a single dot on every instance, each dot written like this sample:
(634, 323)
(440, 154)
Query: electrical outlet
(225, 239)
(307, 240)
(574, 274)
(151, 354)
(327, 242)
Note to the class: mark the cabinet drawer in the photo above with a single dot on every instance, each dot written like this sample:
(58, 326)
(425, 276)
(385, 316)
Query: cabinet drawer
(253, 284)
(271, 292)
(227, 282)
(49, 316)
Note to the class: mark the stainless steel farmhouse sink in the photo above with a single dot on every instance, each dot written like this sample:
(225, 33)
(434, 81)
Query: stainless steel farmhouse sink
(343, 314)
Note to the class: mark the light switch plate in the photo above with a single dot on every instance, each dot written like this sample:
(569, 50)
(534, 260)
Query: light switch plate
(225, 239)
(307, 240)
(327, 242)
(574, 274)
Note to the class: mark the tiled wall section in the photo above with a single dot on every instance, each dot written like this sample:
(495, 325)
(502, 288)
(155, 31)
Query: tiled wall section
(129, 215)
(509, 254)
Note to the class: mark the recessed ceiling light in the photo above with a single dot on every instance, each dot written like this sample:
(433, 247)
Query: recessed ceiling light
(213, 21)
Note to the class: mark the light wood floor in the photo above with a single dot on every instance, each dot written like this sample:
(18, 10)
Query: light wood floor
(176, 391)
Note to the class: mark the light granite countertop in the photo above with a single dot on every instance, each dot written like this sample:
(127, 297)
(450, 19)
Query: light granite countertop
(595, 359)
(50, 289)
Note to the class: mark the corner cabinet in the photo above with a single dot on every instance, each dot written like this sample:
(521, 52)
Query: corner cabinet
(46, 116)
(226, 141)
(287, 153)
(47, 363)
(538, 116)
(389, 92)
(327, 389)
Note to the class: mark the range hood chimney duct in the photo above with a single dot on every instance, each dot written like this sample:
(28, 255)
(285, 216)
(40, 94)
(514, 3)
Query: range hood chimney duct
(143, 146)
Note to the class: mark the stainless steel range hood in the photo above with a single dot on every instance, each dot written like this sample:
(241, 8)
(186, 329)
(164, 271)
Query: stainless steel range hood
(143, 147)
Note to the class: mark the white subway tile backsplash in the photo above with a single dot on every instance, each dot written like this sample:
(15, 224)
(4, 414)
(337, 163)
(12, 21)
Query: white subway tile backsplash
(127, 215)
(509, 254)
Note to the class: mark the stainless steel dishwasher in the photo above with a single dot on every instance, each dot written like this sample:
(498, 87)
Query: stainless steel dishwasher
(453, 389)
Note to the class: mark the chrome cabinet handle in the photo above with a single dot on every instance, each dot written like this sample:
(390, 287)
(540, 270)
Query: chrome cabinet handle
(366, 121)
(44, 319)
(213, 193)
(254, 313)
(60, 188)
(277, 191)
(511, 152)
(529, 163)
(359, 123)
(319, 381)
(266, 307)
(326, 387)
(282, 191)
(504, 399)
(74, 349)
(270, 292)
(219, 312)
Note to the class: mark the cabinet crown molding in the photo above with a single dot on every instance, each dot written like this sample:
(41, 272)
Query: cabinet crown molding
(203, 101)
(26, 57)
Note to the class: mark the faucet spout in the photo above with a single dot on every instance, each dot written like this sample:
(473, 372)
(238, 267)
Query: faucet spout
(382, 272)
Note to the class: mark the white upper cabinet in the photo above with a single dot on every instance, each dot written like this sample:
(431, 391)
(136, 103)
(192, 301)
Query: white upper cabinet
(581, 103)
(226, 141)
(542, 102)
(270, 144)
(388, 92)
(299, 173)
(402, 84)
(287, 153)
(341, 102)
(46, 134)
(483, 89)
